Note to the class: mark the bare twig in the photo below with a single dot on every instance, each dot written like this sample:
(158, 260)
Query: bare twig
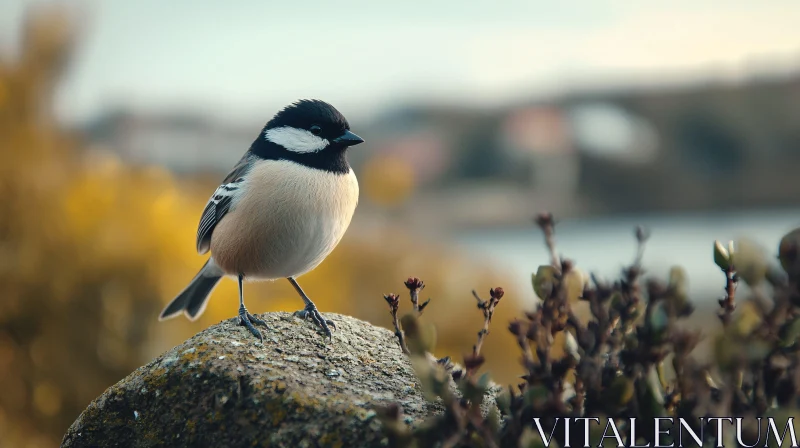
(546, 222)
(520, 329)
(487, 307)
(394, 303)
(642, 235)
(728, 303)
(453, 440)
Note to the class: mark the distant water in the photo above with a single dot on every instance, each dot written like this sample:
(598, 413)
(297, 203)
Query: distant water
(605, 245)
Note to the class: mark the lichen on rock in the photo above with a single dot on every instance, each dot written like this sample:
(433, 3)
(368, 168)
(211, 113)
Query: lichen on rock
(222, 388)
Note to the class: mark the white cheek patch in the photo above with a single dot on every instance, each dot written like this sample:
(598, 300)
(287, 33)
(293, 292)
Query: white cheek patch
(296, 140)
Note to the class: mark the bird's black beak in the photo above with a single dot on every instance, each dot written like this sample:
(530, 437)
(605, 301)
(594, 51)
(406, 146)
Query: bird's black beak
(348, 139)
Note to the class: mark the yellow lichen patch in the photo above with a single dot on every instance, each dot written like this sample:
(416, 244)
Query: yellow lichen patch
(331, 439)
(276, 412)
(156, 379)
(195, 354)
(191, 426)
(365, 359)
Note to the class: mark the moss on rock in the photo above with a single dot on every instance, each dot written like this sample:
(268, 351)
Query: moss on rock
(222, 387)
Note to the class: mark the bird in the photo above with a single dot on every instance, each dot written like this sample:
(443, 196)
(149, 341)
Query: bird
(282, 209)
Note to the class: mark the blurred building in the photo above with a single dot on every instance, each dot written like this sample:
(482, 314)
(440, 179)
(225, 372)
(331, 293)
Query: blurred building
(707, 145)
(181, 142)
(685, 147)
(540, 139)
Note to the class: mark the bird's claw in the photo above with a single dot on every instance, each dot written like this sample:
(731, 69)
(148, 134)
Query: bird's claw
(311, 312)
(246, 319)
(257, 321)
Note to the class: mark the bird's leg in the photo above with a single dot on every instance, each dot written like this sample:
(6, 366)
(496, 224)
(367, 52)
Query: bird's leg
(310, 311)
(245, 318)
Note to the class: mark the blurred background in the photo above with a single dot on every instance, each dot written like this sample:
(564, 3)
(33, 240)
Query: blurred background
(118, 119)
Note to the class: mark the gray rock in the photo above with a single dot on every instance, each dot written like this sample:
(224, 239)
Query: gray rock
(224, 388)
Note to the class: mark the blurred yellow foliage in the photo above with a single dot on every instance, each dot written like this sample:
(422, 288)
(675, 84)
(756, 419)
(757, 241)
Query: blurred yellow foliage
(92, 249)
(387, 179)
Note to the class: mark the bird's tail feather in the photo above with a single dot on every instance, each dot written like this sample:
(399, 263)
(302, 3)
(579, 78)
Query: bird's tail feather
(193, 299)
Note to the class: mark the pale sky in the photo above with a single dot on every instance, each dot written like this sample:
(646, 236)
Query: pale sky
(245, 58)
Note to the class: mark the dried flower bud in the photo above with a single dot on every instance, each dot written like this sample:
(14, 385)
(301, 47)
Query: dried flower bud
(642, 234)
(496, 293)
(588, 294)
(544, 219)
(532, 332)
(788, 251)
(516, 328)
(414, 283)
(535, 316)
(632, 273)
(656, 289)
(472, 362)
(393, 300)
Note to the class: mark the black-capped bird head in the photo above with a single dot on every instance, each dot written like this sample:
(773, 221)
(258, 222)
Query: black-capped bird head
(309, 132)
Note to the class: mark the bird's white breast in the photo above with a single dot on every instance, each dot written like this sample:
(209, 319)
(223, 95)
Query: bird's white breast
(286, 221)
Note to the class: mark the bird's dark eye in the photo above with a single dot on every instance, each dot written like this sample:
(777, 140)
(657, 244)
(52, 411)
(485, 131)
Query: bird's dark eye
(315, 130)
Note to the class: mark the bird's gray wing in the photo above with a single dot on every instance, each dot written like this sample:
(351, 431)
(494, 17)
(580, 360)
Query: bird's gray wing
(220, 202)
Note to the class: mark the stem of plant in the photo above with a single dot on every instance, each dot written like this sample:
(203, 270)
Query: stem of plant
(394, 304)
(546, 222)
(487, 307)
(728, 304)
(399, 333)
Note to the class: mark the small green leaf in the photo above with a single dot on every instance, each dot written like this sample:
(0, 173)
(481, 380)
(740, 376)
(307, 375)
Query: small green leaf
(731, 252)
(650, 397)
(536, 395)
(574, 282)
(420, 338)
(571, 346)
(727, 349)
(426, 375)
(789, 332)
(748, 319)
(530, 438)
(751, 262)
(721, 257)
(470, 391)
(596, 431)
(503, 400)
(789, 253)
(428, 336)
(494, 420)
(544, 281)
(783, 419)
(678, 283)
(484, 380)
(756, 350)
(678, 300)
(615, 302)
(659, 319)
(619, 392)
